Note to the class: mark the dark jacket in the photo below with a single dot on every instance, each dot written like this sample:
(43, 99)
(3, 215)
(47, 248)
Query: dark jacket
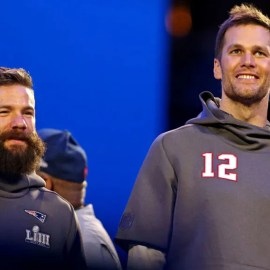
(38, 228)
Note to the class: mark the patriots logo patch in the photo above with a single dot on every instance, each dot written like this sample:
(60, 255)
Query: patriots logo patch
(41, 217)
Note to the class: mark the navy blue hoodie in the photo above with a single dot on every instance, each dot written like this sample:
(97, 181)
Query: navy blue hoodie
(38, 228)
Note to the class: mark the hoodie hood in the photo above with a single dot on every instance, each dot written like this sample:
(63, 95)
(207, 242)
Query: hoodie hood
(17, 186)
(237, 132)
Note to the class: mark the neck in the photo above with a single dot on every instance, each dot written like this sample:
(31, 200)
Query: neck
(255, 114)
(13, 182)
(75, 197)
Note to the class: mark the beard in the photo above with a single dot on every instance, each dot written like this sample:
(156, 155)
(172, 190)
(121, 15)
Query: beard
(20, 159)
(245, 94)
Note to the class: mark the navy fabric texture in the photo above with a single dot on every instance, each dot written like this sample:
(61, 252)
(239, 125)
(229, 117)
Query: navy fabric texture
(64, 157)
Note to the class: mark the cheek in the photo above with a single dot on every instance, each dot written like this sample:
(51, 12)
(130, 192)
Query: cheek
(267, 69)
(231, 63)
(5, 124)
(31, 124)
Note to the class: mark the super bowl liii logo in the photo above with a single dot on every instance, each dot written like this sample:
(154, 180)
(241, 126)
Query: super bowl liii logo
(37, 238)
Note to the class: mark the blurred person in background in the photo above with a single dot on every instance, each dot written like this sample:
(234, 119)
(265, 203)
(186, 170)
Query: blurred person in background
(64, 168)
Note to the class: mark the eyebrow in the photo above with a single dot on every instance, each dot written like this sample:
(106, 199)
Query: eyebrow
(10, 107)
(263, 48)
(256, 47)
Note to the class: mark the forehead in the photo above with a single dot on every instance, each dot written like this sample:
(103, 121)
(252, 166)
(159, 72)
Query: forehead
(247, 35)
(16, 95)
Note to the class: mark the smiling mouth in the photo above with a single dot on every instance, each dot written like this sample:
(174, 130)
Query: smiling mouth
(246, 77)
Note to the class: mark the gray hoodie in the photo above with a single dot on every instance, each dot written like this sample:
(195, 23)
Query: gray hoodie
(38, 228)
(202, 195)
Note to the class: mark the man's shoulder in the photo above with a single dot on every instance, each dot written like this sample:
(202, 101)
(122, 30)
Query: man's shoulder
(176, 136)
(50, 198)
(180, 131)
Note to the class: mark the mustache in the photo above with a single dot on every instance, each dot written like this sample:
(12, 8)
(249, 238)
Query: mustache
(16, 135)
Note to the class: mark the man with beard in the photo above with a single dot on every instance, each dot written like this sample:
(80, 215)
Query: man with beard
(202, 197)
(38, 227)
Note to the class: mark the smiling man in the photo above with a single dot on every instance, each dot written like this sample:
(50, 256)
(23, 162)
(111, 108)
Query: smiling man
(38, 226)
(243, 66)
(202, 197)
(20, 147)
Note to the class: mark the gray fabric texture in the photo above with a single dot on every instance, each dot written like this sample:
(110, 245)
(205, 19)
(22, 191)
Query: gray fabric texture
(217, 221)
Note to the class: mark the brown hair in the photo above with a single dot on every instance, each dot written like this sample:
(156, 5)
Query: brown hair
(240, 15)
(10, 76)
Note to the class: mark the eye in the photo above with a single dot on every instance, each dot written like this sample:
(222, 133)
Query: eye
(29, 113)
(260, 53)
(235, 51)
(4, 112)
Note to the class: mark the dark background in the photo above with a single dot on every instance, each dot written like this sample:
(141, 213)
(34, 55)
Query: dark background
(192, 54)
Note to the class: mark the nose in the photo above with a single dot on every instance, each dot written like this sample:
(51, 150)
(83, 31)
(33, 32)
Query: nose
(18, 122)
(248, 60)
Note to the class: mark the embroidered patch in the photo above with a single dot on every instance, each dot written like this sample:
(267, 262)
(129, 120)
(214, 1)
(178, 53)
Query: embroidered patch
(35, 237)
(41, 217)
(126, 221)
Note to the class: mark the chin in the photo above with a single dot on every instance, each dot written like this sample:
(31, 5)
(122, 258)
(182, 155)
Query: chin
(16, 148)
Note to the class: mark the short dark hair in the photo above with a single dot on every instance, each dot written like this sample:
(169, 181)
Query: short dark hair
(240, 15)
(11, 76)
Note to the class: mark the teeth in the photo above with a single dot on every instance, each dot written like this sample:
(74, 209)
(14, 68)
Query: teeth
(246, 77)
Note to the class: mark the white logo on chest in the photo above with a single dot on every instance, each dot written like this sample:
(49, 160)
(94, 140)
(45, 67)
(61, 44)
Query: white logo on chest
(35, 237)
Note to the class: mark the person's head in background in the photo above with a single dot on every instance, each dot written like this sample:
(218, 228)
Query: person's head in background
(64, 165)
(20, 146)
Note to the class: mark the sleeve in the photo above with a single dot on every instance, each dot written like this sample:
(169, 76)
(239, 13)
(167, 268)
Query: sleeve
(143, 258)
(99, 250)
(148, 215)
(75, 258)
(109, 260)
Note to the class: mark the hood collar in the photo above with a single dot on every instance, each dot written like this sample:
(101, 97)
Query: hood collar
(17, 186)
(237, 132)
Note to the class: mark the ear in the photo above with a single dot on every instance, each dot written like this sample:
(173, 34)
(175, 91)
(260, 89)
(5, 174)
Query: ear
(217, 69)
